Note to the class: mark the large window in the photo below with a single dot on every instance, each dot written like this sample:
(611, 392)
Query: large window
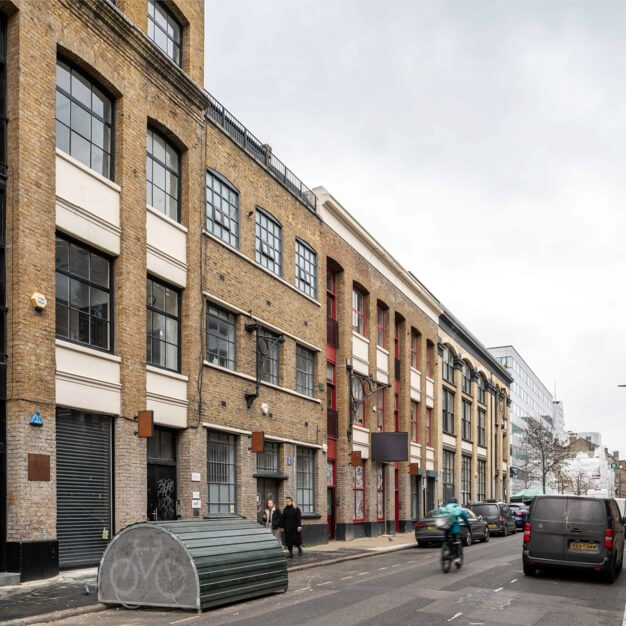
(267, 461)
(84, 120)
(269, 242)
(220, 337)
(359, 493)
(429, 430)
(447, 365)
(268, 351)
(305, 479)
(380, 410)
(83, 295)
(482, 480)
(380, 492)
(430, 359)
(357, 395)
(414, 412)
(306, 269)
(480, 385)
(305, 360)
(222, 209)
(415, 349)
(466, 378)
(466, 480)
(163, 344)
(415, 497)
(358, 311)
(448, 475)
(466, 421)
(447, 412)
(481, 427)
(165, 30)
(162, 176)
(221, 472)
(381, 325)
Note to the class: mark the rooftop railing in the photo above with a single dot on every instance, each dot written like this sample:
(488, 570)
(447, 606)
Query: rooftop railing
(260, 151)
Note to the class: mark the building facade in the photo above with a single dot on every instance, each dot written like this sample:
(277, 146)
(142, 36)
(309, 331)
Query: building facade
(529, 398)
(475, 403)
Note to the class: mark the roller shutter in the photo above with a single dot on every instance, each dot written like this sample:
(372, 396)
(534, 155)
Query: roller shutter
(83, 487)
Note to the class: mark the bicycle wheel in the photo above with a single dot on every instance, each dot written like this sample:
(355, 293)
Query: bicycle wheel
(446, 558)
(459, 561)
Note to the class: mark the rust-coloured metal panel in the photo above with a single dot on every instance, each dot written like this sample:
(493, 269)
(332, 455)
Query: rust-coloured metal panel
(39, 467)
(145, 423)
(356, 458)
(258, 441)
(414, 469)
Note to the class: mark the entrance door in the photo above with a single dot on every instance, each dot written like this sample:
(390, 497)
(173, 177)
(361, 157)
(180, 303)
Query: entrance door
(397, 499)
(162, 475)
(430, 495)
(330, 497)
(266, 488)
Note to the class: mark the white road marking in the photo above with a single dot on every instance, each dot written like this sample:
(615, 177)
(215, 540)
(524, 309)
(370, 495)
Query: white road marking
(411, 561)
(498, 589)
(396, 565)
(381, 568)
(303, 589)
(326, 583)
(186, 619)
(363, 574)
(347, 577)
(513, 581)
(455, 616)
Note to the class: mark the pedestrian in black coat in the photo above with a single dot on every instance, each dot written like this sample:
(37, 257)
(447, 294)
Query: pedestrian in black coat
(291, 524)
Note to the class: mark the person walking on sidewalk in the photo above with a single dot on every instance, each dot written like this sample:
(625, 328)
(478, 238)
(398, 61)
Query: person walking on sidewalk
(291, 524)
(271, 519)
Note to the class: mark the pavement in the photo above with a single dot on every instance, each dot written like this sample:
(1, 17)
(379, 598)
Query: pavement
(74, 592)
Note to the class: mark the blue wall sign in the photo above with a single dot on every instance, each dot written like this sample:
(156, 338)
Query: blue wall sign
(36, 419)
(289, 460)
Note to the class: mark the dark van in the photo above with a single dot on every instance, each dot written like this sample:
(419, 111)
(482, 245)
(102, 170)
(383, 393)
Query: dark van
(498, 516)
(574, 531)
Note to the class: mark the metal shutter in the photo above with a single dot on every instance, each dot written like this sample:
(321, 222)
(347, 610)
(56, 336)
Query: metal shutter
(83, 487)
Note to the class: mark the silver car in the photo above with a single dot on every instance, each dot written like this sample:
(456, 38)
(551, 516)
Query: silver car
(427, 533)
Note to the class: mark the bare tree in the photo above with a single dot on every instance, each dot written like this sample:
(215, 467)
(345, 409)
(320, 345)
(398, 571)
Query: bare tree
(544, 454)
(580, 482)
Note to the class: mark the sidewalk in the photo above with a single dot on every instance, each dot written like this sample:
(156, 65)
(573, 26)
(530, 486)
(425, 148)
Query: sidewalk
(74, 592)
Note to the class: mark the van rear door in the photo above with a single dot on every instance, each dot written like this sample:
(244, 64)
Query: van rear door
(585, 525)
(547, 519)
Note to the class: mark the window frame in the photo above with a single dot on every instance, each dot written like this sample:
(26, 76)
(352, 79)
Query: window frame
(229, 442)
(168, 169)
(262, 333)
(466, 420)
(380, 492)
(482, 480)
(381, 324)
(300, 248)
(447, 474)
(447, 411)
(271, 453)
(179, 320)
(209, 355)
(211, 223)
(480, 386)
(430, 353)
(415, 349)
(380, 411)
(414, 421)
(359, 415)
(72, 276)
(169, 16)
(466, 479)
(429, 423)
(447, 365)
(309, 357)
(360, 489)
(107, 124)
(331, 295)
(308, 453)
(481, 432)
(466, 379)
(263, 250)
(358, 311)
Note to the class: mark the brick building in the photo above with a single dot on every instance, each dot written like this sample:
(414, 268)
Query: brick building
(178, 259)
(381, 340)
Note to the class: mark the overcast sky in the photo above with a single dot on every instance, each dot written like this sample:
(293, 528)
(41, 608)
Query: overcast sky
(482, 143)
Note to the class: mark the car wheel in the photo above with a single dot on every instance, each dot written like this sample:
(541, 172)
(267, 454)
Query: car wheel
(514, 529)
(419, 544)
(485, 536)
(610, 574)
(468, 538)
(505, 532)
(529, 570)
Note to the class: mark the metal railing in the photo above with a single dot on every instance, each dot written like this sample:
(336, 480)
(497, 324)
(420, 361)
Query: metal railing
(260, 151)
(332, 423)
(332, 332)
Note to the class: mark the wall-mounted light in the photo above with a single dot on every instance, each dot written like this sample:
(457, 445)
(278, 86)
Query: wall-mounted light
(39, 302)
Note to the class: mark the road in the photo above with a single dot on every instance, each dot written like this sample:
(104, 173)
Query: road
(408, 587)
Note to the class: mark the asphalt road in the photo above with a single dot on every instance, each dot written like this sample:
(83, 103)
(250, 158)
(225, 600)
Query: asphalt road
(408, 587)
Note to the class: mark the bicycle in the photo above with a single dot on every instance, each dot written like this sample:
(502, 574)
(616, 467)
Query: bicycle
(451, 548)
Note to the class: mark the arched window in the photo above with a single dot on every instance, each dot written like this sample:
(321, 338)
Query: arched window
(480, 385)
(466, 377)
(447, 364)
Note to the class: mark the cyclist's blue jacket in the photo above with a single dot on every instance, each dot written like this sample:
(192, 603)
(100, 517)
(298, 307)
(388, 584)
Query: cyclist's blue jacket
(455, 510)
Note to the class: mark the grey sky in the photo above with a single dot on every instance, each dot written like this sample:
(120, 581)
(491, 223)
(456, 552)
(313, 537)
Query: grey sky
(482, 143)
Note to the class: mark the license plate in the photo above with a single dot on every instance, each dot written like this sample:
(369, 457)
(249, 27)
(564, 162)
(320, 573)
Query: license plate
(491, 525)
(583, 546)
(431, 527)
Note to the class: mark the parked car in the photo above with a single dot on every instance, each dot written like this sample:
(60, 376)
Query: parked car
(574, 531)
(427, 533)
(520, 511)
(498, 516)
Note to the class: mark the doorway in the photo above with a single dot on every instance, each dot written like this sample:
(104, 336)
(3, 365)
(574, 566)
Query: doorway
(396, 507)
(330, 498)
(162, 504)
(266, 488)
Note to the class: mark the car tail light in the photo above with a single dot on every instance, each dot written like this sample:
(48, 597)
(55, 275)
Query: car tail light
(420, 525)
(526, 532)
(608, 538)
(501, 519)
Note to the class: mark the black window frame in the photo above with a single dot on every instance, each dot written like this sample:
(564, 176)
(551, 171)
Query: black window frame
(228, 442)
(481, 433)
(168, 169)
(466, 420)
(71, 241)
(166, 314)
(110, 124)
(466, 379)
(447, 474)
(466, 479)
(307, 287)
(482, 479)
(447, 365)
(480, 385)
(307, 505)
(263, 250)
(308, 355)
(447, 412)
(229, 318)
(216, 223)
(157, 4)
(274, 349)
(268, 461)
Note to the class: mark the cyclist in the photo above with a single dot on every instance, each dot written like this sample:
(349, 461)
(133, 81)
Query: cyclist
(455, 513)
